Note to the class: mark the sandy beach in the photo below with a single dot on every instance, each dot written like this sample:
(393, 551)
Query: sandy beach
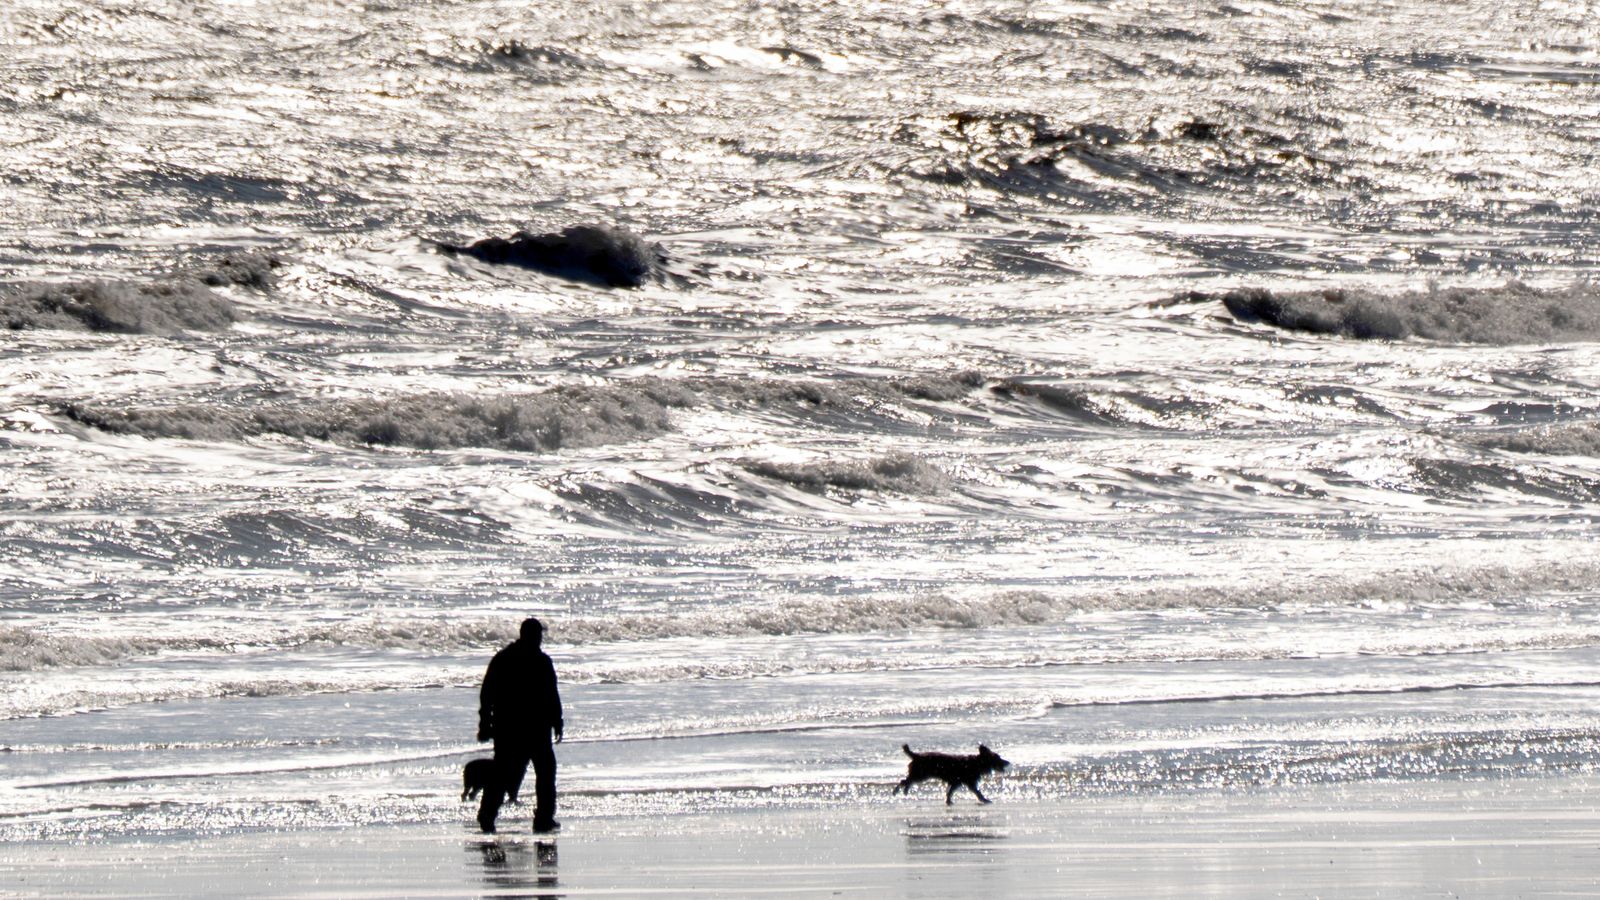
(1519, 837)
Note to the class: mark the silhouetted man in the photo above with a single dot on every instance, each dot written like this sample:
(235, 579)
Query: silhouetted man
(518, 708)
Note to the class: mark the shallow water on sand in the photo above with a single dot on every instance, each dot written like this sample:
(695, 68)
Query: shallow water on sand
(1509, 837)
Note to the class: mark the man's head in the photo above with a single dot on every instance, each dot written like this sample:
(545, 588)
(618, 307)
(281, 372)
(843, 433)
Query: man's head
(532, 631)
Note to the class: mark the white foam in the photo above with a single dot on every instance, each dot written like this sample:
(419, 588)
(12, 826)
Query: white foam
(32, 648)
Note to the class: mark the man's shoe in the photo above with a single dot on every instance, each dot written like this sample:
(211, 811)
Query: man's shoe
(546, 827)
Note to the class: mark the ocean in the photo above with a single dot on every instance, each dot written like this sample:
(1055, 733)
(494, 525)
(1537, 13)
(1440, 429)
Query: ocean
(1171, 396)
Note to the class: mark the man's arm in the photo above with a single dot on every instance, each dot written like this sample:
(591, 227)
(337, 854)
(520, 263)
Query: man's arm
(486, 702)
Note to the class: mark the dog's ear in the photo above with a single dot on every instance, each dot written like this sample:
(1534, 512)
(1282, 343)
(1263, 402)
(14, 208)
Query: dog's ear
(984, 751)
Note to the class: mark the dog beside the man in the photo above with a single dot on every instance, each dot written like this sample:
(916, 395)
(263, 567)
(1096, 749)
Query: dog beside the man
(954, 770)
(478, 775)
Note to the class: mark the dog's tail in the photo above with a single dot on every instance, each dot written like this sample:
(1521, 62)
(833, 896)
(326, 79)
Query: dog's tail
(907, 749)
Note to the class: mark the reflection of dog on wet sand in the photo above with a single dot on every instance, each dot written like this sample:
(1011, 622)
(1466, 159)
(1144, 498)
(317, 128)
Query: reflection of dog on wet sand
(953, 770)
(478, 775)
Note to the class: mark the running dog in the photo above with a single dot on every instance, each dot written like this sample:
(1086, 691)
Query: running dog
(953, 770)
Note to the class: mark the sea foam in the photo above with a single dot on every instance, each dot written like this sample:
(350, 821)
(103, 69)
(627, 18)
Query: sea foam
(28, 648)
(171, 305)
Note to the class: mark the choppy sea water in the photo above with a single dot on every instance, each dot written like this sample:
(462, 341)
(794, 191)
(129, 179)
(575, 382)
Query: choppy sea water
(1169, 396)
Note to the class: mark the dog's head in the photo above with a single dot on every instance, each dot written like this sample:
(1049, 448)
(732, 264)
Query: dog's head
(991, 760)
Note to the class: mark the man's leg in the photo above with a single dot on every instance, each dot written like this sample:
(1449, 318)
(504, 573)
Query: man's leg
(510, 762)
(514, 784)
(544, 783)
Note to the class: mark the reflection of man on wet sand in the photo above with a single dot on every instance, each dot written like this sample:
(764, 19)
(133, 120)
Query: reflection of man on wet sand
(516, 867)
(519, 707)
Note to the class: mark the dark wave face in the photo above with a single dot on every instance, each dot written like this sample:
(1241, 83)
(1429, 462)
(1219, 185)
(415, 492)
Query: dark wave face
(1514, 314)
(588, 253)
(562, 417)
(900, 472)
(1212, 385)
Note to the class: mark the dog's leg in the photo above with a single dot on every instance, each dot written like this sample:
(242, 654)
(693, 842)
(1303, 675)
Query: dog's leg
(948, 792)
(910, 779)
(981, 797)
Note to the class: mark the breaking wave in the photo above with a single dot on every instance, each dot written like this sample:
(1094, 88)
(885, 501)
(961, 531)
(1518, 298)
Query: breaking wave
(157, 308)
(24, 649)
(563, 417)
(1512, 314)
(1550, 440)
(595, 254)
(1072, 402)
(1103, 163)
(183, 302)
(256, 270)
(570, 416)
(28, 649)
(851, 615)
(1006, 151)
(898, 472)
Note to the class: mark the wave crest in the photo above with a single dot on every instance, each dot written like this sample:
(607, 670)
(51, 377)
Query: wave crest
(569, 416)
(159, 308)
(178, 303)
(1512, 314)
(1105, 163)
(1550, 440)
(595, 254)
(897, 472)
(1005, 151)
(28, 649)
(563, 417)
(24, 649)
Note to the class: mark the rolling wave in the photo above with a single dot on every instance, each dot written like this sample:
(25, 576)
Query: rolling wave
(1102, 165)
(27, 649)
(1513, 314)
(898, 472)
(625, 410)
(568, 416)
(173, 305)
(563, 417)
(593, 254)
(1549, 440)
(164, 308)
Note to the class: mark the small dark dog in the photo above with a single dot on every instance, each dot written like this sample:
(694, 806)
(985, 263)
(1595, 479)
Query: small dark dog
(951, 769)
(478, 775)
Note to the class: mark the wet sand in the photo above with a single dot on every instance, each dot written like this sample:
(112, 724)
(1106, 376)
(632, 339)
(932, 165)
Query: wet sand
(1533, 837)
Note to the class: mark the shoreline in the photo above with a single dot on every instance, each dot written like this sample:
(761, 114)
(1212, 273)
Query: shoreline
(1402, 839)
